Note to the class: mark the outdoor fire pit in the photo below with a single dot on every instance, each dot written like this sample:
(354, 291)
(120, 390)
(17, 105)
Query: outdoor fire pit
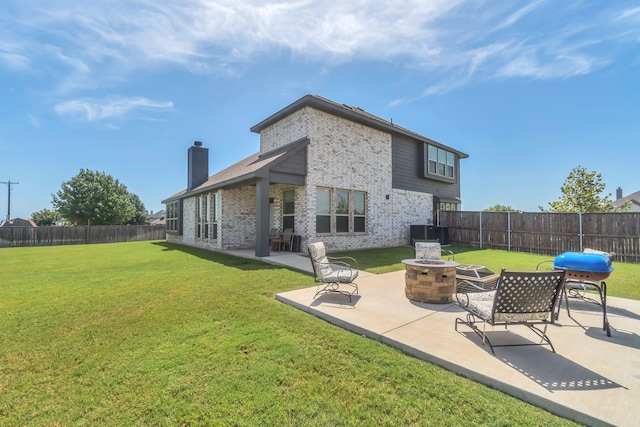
(430, 281)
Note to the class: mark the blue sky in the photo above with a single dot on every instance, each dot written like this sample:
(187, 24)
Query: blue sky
(529, 89)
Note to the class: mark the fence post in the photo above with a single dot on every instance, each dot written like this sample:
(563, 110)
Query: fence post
(508, 231)
(480, 229)
(581, 233)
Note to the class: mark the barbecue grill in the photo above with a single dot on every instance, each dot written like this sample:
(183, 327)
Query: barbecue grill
(585, 271)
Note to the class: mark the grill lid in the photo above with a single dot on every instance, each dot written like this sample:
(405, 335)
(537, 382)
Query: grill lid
(581, 261)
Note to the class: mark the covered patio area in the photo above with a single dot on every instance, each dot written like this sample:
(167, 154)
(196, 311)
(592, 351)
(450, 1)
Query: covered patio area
(592, 379)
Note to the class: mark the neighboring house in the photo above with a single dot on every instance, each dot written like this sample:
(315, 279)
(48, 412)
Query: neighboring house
(634, 198)
(157, 218)
(20, 222)
(332, 172)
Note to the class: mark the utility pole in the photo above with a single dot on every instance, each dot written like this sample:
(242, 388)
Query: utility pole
(9, 184)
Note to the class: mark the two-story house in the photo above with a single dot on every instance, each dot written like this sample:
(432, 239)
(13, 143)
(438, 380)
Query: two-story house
(329, 171)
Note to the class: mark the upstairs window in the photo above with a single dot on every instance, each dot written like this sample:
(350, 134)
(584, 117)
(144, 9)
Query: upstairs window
(439, 162)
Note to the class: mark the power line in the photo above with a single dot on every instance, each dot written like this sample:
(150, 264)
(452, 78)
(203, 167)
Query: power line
(9, 184)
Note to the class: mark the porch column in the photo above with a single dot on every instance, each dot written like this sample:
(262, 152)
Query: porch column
(262, 218)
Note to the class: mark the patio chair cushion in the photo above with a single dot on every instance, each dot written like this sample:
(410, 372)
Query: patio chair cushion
(428, 250)
(481, 305)
(318, 253)
(341, 276)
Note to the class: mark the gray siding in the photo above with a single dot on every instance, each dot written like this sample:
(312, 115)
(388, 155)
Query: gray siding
(407, 157)
(295, 164)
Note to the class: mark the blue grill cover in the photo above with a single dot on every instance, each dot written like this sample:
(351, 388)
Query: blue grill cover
(581, 261)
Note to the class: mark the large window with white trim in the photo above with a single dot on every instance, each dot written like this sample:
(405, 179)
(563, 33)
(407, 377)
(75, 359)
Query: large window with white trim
(340, 211)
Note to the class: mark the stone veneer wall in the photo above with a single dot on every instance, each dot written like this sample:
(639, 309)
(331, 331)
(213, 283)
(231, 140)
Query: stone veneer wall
(346, 155)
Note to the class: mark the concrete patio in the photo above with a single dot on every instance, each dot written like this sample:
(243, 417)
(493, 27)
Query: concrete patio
(592, 379)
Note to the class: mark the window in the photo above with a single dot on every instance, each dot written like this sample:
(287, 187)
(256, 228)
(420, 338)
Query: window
(201, 214)
(340, 211)
(323, 210)
(445, 206)
(206, 217)
(172, 217)
(439, 162)
(288, 209)
(214, 215)
(359, 212)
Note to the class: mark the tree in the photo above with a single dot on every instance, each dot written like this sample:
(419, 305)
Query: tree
(141, 217)
(581, 193)
(500, 208)
(95, 198)
(46, 217)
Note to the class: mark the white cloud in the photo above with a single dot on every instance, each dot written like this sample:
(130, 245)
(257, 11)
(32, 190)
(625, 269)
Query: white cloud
(628, 13)
(34, 121)
(519, 14)
(110, 108)
(12, 56)
(101, 43)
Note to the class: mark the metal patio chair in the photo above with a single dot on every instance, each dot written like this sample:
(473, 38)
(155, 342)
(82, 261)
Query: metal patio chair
(520, 298)
(286, 239)
(332, 274)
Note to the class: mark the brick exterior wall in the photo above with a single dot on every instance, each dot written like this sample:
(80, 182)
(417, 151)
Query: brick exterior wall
(238, 218)
(348, 156)
(342, 155)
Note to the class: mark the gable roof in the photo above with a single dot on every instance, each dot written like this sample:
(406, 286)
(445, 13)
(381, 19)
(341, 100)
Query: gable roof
(348, 112)
(634, 197)
(246, 171)
(20, 222)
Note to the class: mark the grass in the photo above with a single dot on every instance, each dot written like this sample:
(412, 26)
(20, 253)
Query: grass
(150, 333)
(621, 283)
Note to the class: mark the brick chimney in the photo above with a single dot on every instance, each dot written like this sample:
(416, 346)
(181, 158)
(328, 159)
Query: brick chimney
(198, 166)
(618, 193)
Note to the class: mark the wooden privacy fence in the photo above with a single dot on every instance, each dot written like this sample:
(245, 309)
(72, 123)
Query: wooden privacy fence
(546, 233)
(52, 236)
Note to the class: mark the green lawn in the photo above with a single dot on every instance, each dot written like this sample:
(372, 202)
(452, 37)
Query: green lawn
(149, 333)
(623, 282)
